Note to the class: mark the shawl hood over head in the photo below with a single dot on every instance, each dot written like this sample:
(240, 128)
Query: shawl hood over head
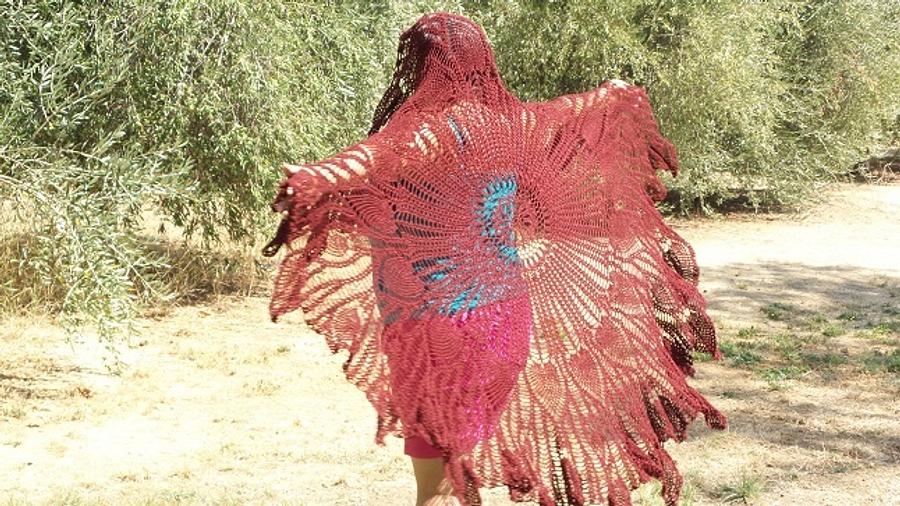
(441, 58)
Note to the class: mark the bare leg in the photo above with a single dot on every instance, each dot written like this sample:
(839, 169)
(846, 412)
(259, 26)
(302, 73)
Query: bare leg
(433, 489)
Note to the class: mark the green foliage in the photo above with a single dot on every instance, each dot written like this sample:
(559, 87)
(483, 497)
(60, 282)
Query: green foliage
(748, 332)
(833, 330)
(745, 489)
(776, 376)
(112, 112)
(778, 311)
(823, 360)
(740, 353)
(75, 184)
(717, 96)
(762, 99)
(877, 362)
(572, 46)
(839, 61)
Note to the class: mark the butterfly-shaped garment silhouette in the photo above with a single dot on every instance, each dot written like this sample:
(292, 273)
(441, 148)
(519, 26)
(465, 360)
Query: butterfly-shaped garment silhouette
(501, 278)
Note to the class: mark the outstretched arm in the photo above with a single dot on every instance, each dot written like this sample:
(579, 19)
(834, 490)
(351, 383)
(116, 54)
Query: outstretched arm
(309, 186)
(616, 116)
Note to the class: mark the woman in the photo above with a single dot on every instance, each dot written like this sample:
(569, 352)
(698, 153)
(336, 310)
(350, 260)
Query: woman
(512, 303)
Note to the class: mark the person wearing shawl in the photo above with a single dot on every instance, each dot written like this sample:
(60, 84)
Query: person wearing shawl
(511, 301)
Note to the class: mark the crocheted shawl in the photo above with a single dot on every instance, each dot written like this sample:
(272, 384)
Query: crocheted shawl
(501, 279)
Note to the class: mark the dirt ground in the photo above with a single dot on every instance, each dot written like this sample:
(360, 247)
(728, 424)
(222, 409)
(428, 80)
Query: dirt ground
(215, 405)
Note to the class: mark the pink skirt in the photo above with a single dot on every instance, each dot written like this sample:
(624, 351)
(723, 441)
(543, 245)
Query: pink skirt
(417, 448)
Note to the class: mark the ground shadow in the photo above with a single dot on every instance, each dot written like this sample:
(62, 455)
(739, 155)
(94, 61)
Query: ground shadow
(787, 427)
(741, 291)
(850, 428)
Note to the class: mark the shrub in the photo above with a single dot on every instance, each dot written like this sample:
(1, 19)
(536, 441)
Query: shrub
(115, 111)
(764, 100)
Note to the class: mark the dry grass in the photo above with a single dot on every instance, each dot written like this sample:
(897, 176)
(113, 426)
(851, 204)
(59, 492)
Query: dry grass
(179, 270)
(22, 289)
(199, 273)
(218, 406)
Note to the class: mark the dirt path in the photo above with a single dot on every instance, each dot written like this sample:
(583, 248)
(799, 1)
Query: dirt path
(218, 406)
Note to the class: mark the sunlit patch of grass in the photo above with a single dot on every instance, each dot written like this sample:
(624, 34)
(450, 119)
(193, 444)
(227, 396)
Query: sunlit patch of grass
(262, 387)
(820, 324)
(68, 498)
(823, 360)
(742, 491)
(748, 332)
(740, 352)
(649, 494)
(776, 376)
(787, 355)
(73, 497)
(884, 332)
(788, 346)
(878, 362)
(886, 327)
(818, 319)
(193, 273)
(701, 356)
(782, 373)
(832, 330)
(689, 489)
(778, 311)
(186, 497)
(12, 410)
(850, 315)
